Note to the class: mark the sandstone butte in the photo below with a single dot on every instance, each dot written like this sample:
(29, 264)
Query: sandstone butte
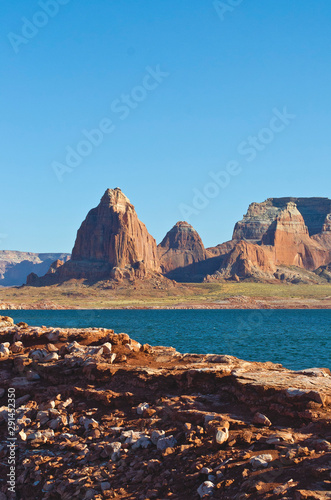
(286, 239)
(112, 243)
(101, 416)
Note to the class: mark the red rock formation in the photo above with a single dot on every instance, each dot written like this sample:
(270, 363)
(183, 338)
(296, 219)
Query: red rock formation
(53, 268)
(112, 233)
(316, 213)
(291, 241)
(112, 243)
(247, 260)
(181, 247)
(222, 249)
(278, 237)
(102, 416)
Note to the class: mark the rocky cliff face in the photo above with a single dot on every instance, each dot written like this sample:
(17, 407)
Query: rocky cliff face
(316, 213)
(292, 244)
(16, 266)
(280, 232)
(181, 247)
(246, 260)
(112, 243)
(112, 233)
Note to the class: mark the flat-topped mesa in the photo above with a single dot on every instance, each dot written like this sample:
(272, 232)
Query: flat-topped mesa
(112, 233)
(259, 217)
(291, 241)
(181, 247)
(279, 232)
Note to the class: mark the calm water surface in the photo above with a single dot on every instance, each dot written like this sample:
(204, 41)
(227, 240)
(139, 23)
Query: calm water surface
(297, 339)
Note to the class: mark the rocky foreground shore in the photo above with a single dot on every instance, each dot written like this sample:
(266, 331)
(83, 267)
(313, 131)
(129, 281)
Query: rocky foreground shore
(100, 416)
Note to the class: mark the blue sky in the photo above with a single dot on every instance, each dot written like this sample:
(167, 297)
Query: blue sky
(225, 72)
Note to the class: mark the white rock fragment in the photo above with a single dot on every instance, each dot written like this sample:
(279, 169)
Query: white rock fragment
(131, 437)
(52, 348)
(284, 487)
(86, 422)
(143, 442)
(53, 336)
(67, 435)
(206, 470)
(38, 355)
(66, 403)
(222, 435)
(106, 348)
(156, 435)
(206, 489)
(17, 347)
(293, 393)
(4, 351)
(273, 440)
(142, 407)
(75, 347)
(52, 356)
(166, 442)
(40, 436)
(94, 350)
(22, 435)
(134, 345)
(259, 418)
(115, 451)
(260, 461)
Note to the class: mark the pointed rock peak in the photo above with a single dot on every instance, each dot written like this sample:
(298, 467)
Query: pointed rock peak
(116, 198)
(182, 236)
(182, 226)
(112, 233)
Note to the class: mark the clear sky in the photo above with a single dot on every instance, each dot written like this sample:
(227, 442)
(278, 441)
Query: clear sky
(180, 89)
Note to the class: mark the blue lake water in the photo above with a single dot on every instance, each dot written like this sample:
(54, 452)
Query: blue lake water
(295, 338)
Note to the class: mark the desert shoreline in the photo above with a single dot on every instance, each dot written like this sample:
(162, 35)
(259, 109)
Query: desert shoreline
(101, 416)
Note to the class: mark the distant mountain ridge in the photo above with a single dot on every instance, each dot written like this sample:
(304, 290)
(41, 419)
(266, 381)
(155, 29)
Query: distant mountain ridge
(280, 239)
(16, 266)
